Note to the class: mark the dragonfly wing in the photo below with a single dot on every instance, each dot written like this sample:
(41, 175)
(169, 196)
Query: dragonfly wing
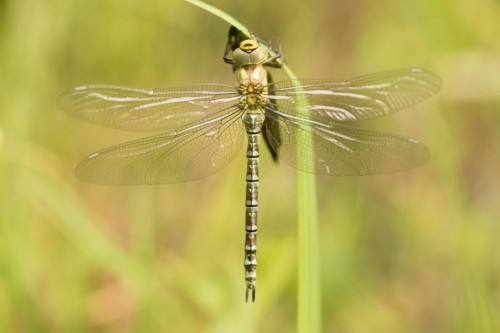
(137, 109)
(361, 98)
(190, 153)
(340, 150)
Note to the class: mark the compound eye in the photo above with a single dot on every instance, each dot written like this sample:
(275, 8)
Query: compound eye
(249, 45)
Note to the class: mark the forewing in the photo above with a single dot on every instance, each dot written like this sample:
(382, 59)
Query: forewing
(137, 109)
(361, 98)
(191, 153)
(340, 150)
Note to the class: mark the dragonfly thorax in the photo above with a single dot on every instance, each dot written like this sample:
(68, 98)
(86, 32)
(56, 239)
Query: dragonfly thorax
(251, 74)
(252, 80)
(253, 97)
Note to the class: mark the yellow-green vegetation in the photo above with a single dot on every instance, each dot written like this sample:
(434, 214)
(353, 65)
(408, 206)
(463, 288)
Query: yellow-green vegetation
(408, 252)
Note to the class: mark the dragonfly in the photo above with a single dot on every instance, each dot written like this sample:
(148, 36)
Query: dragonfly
(305, 124)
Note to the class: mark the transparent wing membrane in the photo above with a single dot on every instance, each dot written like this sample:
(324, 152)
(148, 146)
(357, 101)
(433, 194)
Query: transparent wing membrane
(361, 98)
(341, 150)
(190, 153)
(146, 109)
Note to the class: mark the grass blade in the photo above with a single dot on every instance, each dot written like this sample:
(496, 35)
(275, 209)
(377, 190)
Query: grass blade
(220, 14)
(309, 284)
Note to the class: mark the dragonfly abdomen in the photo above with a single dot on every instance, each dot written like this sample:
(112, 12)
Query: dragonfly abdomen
(253, 126)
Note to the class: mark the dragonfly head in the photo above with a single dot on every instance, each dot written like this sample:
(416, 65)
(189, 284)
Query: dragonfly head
(250, 52)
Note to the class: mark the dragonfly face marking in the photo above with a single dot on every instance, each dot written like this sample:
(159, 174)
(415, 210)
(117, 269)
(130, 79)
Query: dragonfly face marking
(204, 126)
(249, 45)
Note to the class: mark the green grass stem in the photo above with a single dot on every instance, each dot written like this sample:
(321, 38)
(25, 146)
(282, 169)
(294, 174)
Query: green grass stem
(220, 14)
(309, 284)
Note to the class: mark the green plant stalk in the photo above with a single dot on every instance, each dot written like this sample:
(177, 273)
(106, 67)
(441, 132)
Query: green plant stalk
(309, 282)
(221, 14)
(309, 300)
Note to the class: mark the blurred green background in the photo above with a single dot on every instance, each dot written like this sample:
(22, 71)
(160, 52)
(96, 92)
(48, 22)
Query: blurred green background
(410, 252)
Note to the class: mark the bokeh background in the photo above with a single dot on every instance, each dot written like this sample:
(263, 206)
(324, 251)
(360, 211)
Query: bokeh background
(410, 252)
